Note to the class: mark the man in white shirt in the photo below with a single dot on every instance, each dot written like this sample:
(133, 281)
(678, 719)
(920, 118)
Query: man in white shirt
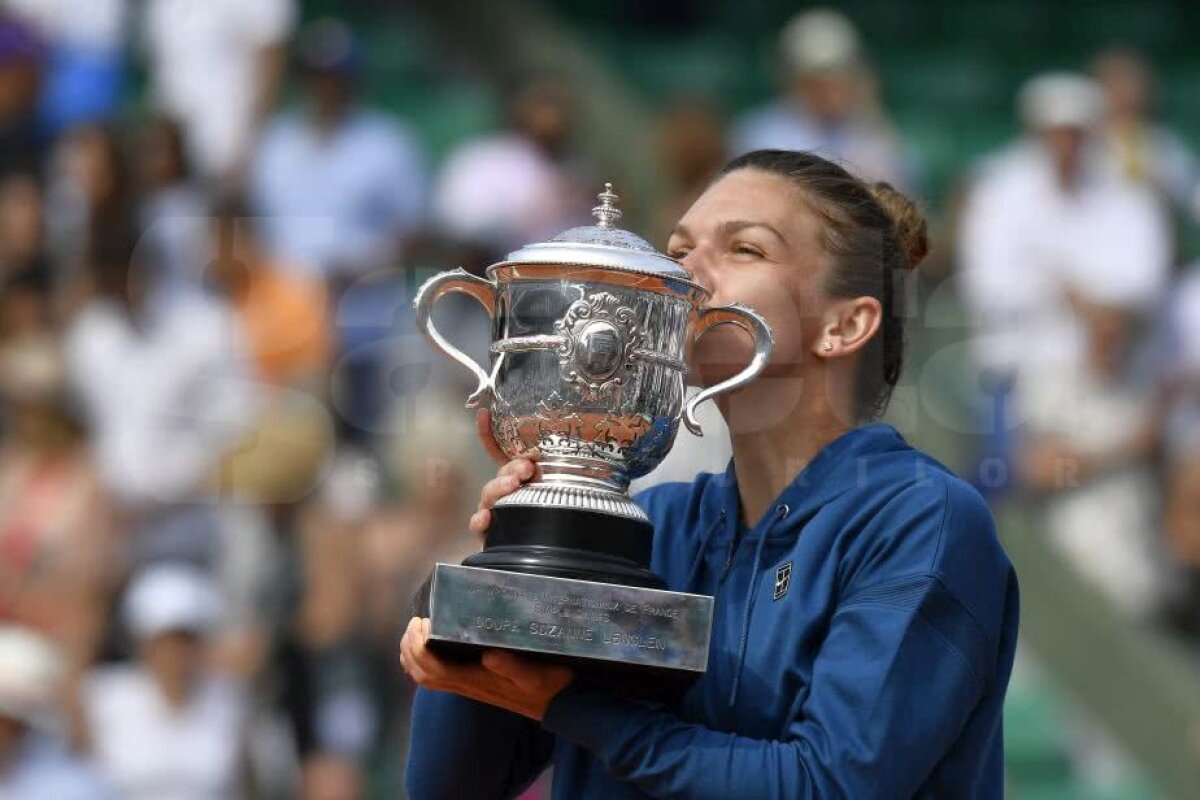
(162, 380)
(1042, 221)
(215, 66)
(338, 186)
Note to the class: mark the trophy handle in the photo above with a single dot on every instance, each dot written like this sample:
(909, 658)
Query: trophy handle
(434, 289)
(752, 323)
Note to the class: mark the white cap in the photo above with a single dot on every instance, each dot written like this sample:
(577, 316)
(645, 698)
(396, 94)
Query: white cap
(171, 598)
(30, 669)
(820, 39)
(1060, 99)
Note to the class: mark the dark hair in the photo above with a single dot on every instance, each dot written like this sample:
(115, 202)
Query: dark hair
(112, 260)
(873, 235)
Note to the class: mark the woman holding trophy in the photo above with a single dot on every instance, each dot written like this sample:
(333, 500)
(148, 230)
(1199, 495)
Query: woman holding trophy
(865, 615)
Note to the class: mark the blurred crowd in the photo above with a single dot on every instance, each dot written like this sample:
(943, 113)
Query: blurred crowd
(227, 460)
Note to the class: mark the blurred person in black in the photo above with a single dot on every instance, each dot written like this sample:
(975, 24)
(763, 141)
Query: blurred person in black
(173, 207)
(22, 228)
(21, 58)
(521, 184)
(90, 195)
(829, 103)
(1137, 146)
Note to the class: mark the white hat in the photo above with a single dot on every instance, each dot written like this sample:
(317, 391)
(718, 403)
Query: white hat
(30, 668)
(171, 598)
(1060, 99)
(820, 39)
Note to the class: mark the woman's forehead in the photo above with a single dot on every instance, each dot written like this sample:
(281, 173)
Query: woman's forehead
(752, 195)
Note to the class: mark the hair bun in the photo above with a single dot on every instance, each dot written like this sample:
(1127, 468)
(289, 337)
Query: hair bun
(912, 232)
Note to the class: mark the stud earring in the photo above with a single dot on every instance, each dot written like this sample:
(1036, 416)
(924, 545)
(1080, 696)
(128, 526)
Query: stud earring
(827, 347)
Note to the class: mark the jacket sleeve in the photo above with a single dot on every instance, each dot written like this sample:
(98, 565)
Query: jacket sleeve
(902, 668)
(460, 748)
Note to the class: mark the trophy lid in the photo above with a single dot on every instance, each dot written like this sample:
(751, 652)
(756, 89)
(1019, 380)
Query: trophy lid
(599, 245)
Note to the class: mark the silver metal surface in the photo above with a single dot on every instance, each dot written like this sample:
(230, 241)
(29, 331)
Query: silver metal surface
(579, 619)
(551, 495)
(600, 244)
(589, 361)
(435, 289)
(752, 323)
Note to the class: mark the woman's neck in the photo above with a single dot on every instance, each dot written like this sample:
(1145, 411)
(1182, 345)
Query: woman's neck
(766, 459)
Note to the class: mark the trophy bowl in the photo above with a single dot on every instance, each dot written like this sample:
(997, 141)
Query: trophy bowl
(592, 332)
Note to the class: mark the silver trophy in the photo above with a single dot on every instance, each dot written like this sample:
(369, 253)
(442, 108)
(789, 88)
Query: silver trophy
(591, 336)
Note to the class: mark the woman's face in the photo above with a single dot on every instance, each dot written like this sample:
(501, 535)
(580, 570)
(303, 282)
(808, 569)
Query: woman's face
(751, 239)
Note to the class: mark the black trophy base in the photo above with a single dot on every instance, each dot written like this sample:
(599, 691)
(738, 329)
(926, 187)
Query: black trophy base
(569, 543)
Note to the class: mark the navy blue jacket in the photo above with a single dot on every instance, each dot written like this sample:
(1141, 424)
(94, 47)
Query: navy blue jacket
(879, 673)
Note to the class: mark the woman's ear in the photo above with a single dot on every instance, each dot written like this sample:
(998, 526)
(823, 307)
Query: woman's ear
(847, 326)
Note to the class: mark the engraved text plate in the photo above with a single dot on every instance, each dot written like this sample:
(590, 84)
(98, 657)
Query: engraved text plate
(580, 619)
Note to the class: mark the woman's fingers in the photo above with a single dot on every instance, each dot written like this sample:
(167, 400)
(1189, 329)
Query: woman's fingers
(522, 468)
(498, 487)
(507, 481)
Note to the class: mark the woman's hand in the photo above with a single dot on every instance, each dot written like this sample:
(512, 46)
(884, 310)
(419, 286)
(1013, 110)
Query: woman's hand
(510, 477)
(503, 679)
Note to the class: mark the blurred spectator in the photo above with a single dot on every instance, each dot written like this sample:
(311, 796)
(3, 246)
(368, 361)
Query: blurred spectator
(161, 379)
(22, 231)
(215, 66)
(284, 321)
(1043, 218)
(167, 727)
(524, 184)
(692, 146)
(433, 466)
(1137, 146)
(174, 208)
(339, 185)
(1182, 359)
(283, 313)
(1043, 221)
(56, 549)
(829, 104)
(90, 195)
(84, 71)
(21, 57)
(1090, 432)
(34, 763)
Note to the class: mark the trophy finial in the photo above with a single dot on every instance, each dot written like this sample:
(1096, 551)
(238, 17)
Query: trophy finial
(607, 212)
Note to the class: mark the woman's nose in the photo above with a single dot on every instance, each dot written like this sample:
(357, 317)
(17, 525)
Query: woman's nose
(699, 266)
